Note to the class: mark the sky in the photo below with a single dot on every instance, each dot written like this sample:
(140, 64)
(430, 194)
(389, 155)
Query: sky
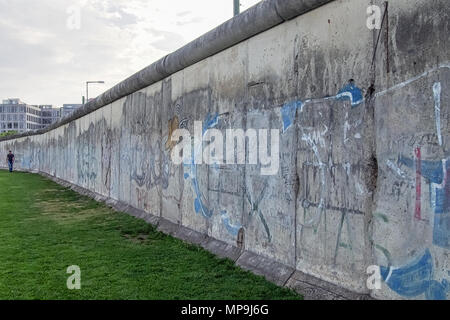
(50, 48)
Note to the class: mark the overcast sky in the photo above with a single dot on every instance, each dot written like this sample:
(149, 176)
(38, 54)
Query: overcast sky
(49, 48)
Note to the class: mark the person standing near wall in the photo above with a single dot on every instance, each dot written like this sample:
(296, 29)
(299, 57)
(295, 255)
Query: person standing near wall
(10, 160)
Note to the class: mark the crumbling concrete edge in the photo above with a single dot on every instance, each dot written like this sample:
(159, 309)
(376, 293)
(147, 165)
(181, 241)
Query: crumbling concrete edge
(310, 287)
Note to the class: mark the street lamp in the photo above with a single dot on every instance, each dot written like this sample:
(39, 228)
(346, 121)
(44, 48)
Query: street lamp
(87, 88)
(237, 7)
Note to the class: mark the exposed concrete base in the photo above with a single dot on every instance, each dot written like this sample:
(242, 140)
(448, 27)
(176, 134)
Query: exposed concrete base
(311, 288)
(270, 269)
(168, 227)
(189, 235)
(222, 249)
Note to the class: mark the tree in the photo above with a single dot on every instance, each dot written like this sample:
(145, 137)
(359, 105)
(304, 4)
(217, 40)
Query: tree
(8, 133)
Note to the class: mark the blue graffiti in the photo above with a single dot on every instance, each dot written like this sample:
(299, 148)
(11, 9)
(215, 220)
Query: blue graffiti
(437, 172)
(431, 170)
(415, 279)
(232, 229)
(350, 92)
(288, 112)
(210, 122)
(200, 205)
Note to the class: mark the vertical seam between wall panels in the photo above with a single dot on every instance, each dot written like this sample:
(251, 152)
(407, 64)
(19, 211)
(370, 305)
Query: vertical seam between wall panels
(183, 107)
(244, 222)
(132, 96)
(120, 151)
(110, 150)
(295, 140)
(369, 221)
(161, 107)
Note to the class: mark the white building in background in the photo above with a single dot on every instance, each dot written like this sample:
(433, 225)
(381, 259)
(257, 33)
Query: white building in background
(49, 115)
(68, 109)
(16, 115)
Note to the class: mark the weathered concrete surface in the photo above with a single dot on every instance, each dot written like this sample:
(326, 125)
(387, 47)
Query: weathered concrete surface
(411, 226)
(363, 147)
(314, 289)
(273, 270)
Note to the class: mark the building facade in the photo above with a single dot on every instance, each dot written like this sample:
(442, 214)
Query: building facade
(49, 114)
(16, 115)
(68, 109)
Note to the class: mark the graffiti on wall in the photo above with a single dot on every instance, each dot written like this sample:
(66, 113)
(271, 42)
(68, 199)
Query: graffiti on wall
(201, 205)
(317, 139)
(150, 171)
(86, 160)
(437, 173)
(415, 279)
(349, 92)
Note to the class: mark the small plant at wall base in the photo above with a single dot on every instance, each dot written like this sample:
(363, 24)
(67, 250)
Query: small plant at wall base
(8, 133)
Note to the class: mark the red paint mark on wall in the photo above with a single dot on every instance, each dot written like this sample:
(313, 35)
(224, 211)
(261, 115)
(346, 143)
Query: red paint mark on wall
(417, 214)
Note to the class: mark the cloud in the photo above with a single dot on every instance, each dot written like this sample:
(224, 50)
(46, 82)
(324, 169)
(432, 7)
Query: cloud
(190, 21)
(183, 14)
(166, 41)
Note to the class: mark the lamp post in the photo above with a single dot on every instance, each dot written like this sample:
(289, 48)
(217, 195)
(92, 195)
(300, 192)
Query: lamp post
(87, 88)
(237, 7)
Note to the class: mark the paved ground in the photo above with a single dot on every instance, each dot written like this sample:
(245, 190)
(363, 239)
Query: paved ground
(45, 228)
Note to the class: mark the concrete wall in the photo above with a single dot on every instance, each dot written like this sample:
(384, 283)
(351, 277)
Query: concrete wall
(363, 163)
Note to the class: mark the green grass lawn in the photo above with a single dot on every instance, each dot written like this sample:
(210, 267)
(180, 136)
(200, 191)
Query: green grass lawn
(45, 228)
